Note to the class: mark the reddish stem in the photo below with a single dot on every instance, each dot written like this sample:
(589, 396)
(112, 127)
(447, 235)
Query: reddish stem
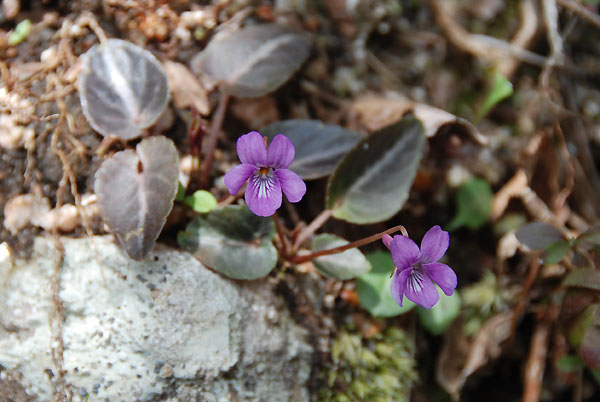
(215, 127)
(299, 259)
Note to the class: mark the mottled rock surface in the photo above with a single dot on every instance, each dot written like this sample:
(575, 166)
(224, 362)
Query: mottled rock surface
(165, 328)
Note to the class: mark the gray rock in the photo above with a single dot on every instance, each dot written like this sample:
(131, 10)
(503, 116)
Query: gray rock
(164, 329)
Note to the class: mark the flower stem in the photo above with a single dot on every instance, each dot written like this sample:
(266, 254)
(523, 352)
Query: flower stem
(313, 227)
(282, 238)
(298, 259)
(215, 127)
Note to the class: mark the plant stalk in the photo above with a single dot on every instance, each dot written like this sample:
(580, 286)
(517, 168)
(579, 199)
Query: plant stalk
(215, 127)
(299, 259)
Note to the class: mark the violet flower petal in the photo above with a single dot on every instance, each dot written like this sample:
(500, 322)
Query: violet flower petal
(251, 149)
(443, 275)
(291, 184)
(263, 194)
(237, 176)
(404, 252)
(399, 285)
(281, 152)
(420, 289)
(434, 244)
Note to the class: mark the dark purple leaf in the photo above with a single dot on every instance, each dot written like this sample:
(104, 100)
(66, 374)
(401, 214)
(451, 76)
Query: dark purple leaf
(253, 61)
(319, 147)
(135, 192)
(539, 235)
(122, 87)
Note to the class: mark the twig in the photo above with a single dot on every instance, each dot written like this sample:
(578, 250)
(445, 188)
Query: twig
(56, 321)
(299, 259)
(213, 135)
(561, 198)
(484, 46)
(534, 269)
(312, 228)
(551, 21)
(581, 11)
(536, 361)
(523, 37)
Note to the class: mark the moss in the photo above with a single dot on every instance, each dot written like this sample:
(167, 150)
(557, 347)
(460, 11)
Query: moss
(379, 369)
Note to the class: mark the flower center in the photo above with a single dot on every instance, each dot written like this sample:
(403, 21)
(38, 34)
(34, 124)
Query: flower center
(263, 180)
(415, 279)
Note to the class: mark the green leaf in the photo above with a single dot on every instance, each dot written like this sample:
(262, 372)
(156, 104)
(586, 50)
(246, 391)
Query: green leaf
(539, 235)
(232, 241)
(591, 238)
(20, 33)
(373, 288)
(180, 192)
(373, 180)
(588, 278)
(201, 201)
(570, 364)
(501, 89)
(555, 252)
(438, 318)
(474, 204)
(590, 347)
(347, 265)
(587, 319)
(319, 147)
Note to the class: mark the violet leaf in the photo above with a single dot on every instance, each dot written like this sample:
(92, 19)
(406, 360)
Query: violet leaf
(539, 235)
(135, 192)
(373, 180)
(253, 61)
(373, 288)
(438, 318)
(123, 88)
(474, 204)
(233, 241)
(319, 147)
(346, 265)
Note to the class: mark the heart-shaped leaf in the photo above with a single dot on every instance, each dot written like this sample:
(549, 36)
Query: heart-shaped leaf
(135, 192)
(233, 241)
(122, 87)
(438, 318)
(347, 265)
(319, 147)
(372, 182)
(539, 235)
(474, 204)
(373, 288)
(253, 61)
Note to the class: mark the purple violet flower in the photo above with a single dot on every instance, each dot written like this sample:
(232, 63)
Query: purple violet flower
(265, 170)
(418, 270)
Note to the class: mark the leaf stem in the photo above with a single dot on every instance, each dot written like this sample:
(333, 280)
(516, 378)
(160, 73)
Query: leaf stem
(312, 227)
(298, 259)
(215, 127)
